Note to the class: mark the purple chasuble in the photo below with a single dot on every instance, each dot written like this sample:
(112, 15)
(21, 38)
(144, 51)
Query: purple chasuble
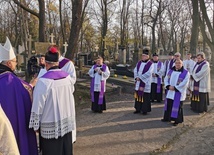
(177, 97)
(196, 84)
(15, 100)
(145, 69)
(159, 64)
(101, 95)
(63, 62)
(55, 75)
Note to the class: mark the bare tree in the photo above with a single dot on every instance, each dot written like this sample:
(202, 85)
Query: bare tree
(208, 36)
(40, 15)
(195, 27)
(78, 11)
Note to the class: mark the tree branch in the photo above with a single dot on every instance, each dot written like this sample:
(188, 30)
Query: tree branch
(26, 8)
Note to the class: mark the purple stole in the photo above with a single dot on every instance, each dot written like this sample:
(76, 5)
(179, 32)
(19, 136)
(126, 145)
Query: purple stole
(171, 63)
(101, 95)
(166, 67)
(177, 97)
(159, 64)
(139, 93)
(55, 75)
(195, 94)
(63, 62)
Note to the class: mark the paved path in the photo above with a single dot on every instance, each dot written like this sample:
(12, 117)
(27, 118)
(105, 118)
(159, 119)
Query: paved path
(120, 132)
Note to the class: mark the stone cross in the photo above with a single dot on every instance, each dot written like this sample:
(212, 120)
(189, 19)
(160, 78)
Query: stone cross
(96, 48)
(52, 38)
(65, 47)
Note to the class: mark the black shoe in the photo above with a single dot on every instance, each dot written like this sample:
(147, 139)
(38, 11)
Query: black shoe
(136, 112)
(163, 120)
(100, 111)
(144, 113)
(175, 124)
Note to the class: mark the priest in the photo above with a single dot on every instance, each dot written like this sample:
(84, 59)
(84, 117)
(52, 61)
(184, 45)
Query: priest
(99, 74)
(156, 85)
(188, 65)
(201, 84)
(171, 63)
(143, 76)
(176, 83)
(53, 109)
(167, 62)
(67, 66)
(15, 99)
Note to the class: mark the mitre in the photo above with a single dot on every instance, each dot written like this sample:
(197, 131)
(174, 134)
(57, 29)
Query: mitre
(6, 51)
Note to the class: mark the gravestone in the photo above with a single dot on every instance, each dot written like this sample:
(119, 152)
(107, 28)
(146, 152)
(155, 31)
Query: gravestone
(122, 54)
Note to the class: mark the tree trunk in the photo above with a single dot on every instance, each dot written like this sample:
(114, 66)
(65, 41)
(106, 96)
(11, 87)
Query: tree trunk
(61, 22)
(195, 25)
(75, 28)
(42, 21)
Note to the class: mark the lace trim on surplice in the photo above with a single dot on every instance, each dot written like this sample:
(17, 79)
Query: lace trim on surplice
(52, 129)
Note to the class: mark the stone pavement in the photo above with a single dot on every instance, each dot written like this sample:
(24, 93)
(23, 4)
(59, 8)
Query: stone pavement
(120, 132)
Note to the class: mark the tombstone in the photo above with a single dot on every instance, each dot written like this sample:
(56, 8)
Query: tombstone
(106, 54)
(135, 56)
(83, 57)
(122, 54)
(94, 56)
(20, 60)
(41, 47)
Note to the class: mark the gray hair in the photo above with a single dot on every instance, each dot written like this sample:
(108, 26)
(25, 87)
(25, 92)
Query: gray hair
(202, 54)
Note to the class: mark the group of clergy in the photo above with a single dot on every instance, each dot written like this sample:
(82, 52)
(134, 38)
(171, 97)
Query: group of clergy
(180, 79)
(44, 106)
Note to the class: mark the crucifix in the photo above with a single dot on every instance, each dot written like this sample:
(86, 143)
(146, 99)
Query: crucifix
(52, 38)
(65, 48)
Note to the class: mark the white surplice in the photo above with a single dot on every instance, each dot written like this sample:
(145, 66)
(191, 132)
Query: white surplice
(98, 78)
(53, 109)
(146, 77)
(70, 69)
(159, 72)
(181, 87)
(204, 77)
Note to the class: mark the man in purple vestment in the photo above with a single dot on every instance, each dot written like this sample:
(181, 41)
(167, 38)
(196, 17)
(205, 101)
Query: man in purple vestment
(15, 99)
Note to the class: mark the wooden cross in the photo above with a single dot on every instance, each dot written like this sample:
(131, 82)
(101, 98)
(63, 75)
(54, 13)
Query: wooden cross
(52, 38)
(29, 45)
(104, 42)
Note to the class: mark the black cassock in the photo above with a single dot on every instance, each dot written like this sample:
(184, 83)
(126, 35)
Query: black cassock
(154, 95)
(95, 107)
(167, 113)
(60, 146)
(200, 104)
(144, 106)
